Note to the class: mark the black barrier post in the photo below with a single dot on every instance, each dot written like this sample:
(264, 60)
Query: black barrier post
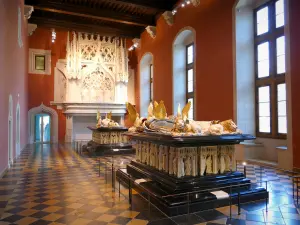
(239, 202)
(119, 188)
(261, 176)
(297, 179)
(293, 188)
(267, 196)
(99, 169)
(129, 189)
(188, 202)
(105, 171)
(149, 206)
(230, 202)
(113, 177)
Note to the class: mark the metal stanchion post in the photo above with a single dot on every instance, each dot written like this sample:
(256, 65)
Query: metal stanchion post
(188, 203)
(293, 188)
(99, 169)
(112, 177)
(230, 203)
(239, 202)
(119, 188)
(149, 204)
(245, 169)
(105, 171)
(129, 189)
(297, 179)
(267, 196)
(261, 176)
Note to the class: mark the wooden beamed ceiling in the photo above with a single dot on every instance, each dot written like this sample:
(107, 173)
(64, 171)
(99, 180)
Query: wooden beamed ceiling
(125, 18)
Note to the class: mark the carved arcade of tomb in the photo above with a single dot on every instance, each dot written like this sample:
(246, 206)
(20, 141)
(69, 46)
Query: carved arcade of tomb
(187, 161)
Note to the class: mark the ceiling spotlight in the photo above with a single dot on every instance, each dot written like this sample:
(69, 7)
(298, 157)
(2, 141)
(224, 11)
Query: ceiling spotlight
(188, 2)
(174, 11)
(182, 5)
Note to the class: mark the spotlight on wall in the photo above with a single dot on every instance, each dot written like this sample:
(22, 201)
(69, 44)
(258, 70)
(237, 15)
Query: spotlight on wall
(188, 2)
(53, 38)
(174, 11)
(182, 5)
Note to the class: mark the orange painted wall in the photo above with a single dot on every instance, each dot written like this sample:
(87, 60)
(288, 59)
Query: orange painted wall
(41, 87)
(212, 21)
(13, 75)
(294, 9)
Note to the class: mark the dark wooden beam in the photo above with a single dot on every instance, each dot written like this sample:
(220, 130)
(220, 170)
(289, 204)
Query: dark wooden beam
(157, 5)
(83, 27)
(96, 14)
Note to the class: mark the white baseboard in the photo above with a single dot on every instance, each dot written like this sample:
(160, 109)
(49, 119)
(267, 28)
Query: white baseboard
(2, 173)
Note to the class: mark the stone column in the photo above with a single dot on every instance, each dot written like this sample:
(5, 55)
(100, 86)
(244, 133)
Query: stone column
(69, 129)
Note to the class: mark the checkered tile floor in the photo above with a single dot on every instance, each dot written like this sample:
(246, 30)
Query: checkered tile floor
(50, 184)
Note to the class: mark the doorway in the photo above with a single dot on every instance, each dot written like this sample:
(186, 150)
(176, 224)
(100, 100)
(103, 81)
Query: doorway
(42, 128)
(10, 132)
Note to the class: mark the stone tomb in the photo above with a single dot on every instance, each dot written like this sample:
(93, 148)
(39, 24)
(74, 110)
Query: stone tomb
(168, 168)
(109, 141)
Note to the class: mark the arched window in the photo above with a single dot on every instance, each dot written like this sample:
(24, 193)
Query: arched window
(146, 83)
(184, 70)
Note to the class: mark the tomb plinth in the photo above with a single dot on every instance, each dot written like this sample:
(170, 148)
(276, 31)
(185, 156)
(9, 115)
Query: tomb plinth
(168, 167)
(109, 141)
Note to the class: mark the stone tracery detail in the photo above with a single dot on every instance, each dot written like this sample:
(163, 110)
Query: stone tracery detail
(96, 67)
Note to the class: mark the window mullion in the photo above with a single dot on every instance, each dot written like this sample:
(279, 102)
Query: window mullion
(273, 106)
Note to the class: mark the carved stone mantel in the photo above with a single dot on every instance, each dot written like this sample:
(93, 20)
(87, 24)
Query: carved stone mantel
(84, 109)
(81, 115)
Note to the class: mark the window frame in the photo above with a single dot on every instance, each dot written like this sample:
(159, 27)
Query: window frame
(189, 66)
(273, 79)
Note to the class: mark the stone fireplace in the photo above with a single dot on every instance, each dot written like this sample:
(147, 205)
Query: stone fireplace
(81, 115)
(93, 77)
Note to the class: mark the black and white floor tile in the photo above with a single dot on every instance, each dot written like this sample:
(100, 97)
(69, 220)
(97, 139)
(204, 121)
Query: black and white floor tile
(51, 184)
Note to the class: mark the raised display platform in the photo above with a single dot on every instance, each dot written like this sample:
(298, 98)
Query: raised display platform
(169, 167)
